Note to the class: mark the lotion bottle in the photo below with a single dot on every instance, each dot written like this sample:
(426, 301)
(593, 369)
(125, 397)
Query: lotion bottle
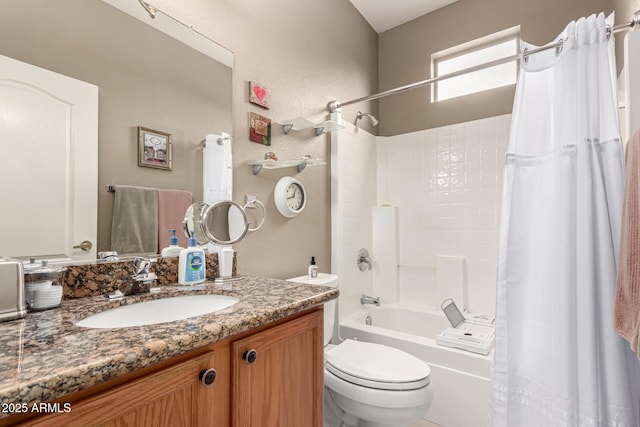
(313, 268)
(173, 249)
(191, 264)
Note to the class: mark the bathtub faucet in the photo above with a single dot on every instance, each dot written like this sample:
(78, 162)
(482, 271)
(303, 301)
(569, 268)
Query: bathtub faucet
(366, 299)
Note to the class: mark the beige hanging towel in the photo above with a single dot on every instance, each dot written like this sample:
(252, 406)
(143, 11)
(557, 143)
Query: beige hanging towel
(627, 304)
(134, 226)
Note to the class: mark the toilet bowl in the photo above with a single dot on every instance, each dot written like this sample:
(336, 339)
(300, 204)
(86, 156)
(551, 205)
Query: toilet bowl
(368, 384)
(375, 384)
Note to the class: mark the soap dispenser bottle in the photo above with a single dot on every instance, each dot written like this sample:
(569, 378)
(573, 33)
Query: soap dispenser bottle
(313, 268)
(173, 249)
(191, 264)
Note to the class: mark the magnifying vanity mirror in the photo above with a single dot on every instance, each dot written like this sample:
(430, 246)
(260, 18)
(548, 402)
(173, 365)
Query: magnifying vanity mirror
(224, 222)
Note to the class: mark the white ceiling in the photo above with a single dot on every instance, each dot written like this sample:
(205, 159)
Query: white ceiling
(386, 14)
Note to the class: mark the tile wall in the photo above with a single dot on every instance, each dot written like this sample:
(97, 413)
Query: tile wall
(447, 183)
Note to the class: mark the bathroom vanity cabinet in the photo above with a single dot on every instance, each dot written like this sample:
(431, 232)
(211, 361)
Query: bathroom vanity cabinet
(278, 375)
(269, 376)
(173, 396)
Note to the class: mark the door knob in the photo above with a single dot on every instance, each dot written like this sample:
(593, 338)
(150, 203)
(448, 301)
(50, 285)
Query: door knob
(250, 356)
(208, 376)
(85, 246)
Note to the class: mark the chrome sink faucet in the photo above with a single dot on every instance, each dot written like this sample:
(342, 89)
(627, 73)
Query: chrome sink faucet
(366, 299)
(138, 283)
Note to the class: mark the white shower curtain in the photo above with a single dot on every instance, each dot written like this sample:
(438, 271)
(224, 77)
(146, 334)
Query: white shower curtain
(557, 360)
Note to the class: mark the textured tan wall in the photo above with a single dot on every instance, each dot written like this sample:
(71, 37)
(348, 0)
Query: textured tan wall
(307, 53)
(405, 55)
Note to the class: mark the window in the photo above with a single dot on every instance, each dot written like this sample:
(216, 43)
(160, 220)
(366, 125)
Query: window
(480, 51)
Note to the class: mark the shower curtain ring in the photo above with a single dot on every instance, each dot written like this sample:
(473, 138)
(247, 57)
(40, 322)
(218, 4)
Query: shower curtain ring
(560, 46)
(635, 21)
(525, 55)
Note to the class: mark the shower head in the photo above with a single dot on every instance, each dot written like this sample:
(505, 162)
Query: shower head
(360, 115)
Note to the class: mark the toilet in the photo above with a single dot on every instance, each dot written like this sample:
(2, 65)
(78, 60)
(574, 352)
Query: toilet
(368, 384)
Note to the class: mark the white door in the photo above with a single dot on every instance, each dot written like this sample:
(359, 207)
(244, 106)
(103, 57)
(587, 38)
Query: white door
(48, 163)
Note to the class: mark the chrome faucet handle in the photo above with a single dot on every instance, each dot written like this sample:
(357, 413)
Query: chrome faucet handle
(142, 265)
(108, 256)
(137, 283)
(363, 260)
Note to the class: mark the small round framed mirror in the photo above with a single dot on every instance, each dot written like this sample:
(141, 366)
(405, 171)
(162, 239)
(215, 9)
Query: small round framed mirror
(224, 222)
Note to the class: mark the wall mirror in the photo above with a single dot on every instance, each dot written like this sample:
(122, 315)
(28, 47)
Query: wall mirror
(171, 79)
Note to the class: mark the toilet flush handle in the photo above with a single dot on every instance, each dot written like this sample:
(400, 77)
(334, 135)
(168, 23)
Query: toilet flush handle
(250, 356)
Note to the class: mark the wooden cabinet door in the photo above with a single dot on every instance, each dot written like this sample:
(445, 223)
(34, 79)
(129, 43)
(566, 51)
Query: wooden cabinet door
(172, 397)
(283, 386)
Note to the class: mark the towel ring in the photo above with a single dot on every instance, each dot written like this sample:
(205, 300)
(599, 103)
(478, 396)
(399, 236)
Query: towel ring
(251, 204)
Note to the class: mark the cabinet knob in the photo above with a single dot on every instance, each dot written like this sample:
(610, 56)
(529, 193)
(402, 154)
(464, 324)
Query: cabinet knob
(208, 376)
(250, 356)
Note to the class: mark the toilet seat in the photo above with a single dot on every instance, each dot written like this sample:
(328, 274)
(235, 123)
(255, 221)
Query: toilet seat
(377, 366)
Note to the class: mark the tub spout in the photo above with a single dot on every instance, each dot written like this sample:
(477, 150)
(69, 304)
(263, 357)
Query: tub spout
(366, 299)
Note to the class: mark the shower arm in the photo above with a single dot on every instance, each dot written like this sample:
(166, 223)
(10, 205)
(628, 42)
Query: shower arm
(361, 115)
(336, 106)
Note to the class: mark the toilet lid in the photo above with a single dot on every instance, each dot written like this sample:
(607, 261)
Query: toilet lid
(377, 366)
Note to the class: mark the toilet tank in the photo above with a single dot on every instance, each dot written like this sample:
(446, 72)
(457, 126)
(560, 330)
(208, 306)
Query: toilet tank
(323, 279)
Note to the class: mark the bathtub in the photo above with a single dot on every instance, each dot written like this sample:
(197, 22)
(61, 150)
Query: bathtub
(460, 379)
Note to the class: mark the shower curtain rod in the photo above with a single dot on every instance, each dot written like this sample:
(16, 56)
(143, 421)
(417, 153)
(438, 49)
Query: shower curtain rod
(335, 106)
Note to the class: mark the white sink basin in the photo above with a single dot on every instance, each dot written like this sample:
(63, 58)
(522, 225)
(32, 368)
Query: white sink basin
(158, 311)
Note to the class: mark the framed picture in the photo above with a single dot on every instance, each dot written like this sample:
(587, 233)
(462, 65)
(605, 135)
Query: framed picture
(155, 149)
(259, 129)
(259, 95)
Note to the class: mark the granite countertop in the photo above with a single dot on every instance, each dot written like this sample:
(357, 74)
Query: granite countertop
(45, 356)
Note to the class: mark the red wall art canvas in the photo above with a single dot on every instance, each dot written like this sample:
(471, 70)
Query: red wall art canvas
(259, 129)
(259, 95)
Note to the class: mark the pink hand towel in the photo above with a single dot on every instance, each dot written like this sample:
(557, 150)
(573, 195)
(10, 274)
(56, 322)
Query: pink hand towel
(172, 204)
(627, 304)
